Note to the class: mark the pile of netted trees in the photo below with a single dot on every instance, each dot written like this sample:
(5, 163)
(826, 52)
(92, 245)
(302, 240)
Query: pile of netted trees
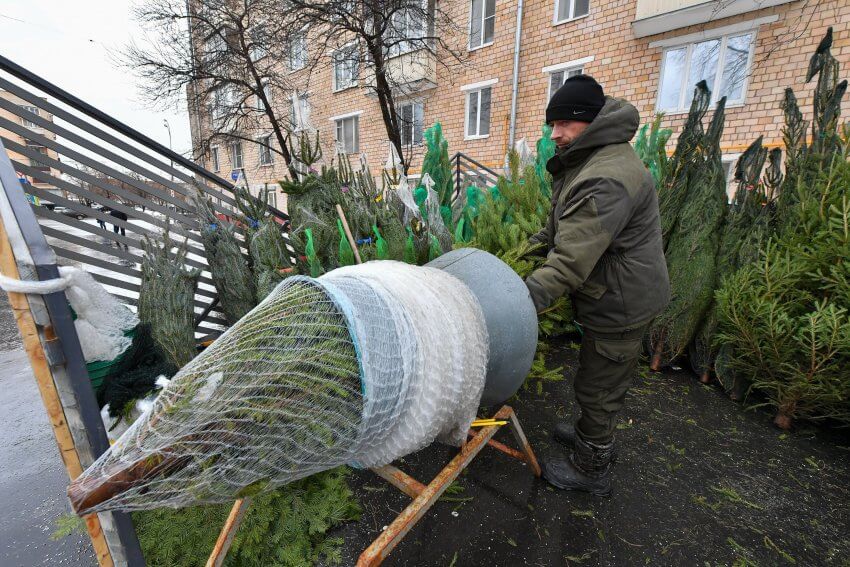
(760, 284)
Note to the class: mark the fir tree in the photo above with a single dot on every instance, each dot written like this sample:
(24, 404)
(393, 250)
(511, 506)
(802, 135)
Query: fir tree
(784, 319)
(508, 217)
(287, 527)
(167, 298)
(437, 165)
(744, 233)
(271, 258)
(691, 250)
(229, 268)
(684, 165)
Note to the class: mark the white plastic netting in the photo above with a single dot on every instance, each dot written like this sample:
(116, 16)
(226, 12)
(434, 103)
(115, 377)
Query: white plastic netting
(101, 319)
(361, 366)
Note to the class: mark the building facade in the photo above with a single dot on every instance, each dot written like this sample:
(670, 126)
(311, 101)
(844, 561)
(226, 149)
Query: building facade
(650, 52)
(33, 172)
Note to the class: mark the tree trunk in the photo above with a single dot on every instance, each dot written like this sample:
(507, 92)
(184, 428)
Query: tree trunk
(387, 104)
(782, 421)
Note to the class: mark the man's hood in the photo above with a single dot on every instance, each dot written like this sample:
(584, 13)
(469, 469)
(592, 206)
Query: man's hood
(616, 123)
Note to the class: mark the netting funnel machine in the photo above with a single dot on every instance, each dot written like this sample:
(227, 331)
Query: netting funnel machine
(360, 366)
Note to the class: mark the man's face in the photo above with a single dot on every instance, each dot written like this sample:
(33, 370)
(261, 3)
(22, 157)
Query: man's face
(565, 132)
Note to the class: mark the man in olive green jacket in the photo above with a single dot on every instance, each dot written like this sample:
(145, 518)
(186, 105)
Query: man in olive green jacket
(603, 249)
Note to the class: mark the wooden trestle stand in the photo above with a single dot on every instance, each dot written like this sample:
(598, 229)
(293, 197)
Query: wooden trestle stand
(424, 496)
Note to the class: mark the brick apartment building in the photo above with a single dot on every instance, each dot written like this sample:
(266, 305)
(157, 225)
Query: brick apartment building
(30, 176)
(650, 52)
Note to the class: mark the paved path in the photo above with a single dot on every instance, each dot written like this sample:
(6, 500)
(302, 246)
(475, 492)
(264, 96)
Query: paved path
(32, 476)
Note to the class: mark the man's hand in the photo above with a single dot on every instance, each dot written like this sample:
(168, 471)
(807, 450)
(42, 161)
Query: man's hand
(539, 296)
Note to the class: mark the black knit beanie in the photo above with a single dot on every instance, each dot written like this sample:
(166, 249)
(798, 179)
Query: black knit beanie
(580, 98)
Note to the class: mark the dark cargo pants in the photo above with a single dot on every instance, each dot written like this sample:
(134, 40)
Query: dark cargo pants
(607, 364)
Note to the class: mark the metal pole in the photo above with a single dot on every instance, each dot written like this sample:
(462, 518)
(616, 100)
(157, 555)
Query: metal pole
(516, 74)
(168, 127)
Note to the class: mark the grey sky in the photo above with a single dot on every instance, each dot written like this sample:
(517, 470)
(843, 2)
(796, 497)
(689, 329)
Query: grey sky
(73, 44)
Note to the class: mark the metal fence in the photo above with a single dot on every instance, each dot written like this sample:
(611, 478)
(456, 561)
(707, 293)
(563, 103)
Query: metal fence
(79, 164)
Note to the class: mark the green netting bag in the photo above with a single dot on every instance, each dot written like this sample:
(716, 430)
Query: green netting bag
(410, 249)
(346, 254)
(420, 195)
(436, 163)
(310, 251)
(545, 151)
(381, 246)
(434, 249)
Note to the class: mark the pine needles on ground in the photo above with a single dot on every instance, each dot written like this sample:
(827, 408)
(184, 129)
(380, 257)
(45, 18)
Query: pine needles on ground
(167, 298)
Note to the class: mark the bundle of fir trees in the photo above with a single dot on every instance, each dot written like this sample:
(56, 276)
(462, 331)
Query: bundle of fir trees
(693, 208)
(785, 318)
(747, 226)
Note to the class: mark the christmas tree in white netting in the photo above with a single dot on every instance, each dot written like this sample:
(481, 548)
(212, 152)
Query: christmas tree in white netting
(361, 366)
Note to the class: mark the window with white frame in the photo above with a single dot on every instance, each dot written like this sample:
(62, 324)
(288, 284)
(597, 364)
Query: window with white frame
(236, 155)
(344, 10)
(214, 162)
(406, 30)
(411, 122)
(346, 66)
(729, 161)
(566, 10)
(482, 23)
(557, 78)
(299, 112)
(723, 62)
(271, 197)
(33, 110)
(265, 150)
(257, 36)
(223, 101)
(267, 92)
(478, 112)
(348, 134)
(214, 48)
(298, 50)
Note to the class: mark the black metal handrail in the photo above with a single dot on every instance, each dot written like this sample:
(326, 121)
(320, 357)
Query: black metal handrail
(463, 165)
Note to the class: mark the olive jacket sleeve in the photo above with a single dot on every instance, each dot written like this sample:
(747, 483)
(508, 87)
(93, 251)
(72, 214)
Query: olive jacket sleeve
(595, 213)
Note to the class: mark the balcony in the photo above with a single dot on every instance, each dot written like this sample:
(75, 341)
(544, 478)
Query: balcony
(409, 73)
(658, 16)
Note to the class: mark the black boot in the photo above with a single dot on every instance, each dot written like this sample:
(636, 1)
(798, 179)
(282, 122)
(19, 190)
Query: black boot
(588, 468)
(566, 433)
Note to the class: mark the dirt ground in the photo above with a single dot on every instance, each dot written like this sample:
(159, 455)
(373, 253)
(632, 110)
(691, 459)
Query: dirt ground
(699, 481)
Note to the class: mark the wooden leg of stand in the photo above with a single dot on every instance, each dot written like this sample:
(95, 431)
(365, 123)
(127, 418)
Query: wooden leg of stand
(404, 522)
(225, 538)
(400, 480)
(522, 441)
